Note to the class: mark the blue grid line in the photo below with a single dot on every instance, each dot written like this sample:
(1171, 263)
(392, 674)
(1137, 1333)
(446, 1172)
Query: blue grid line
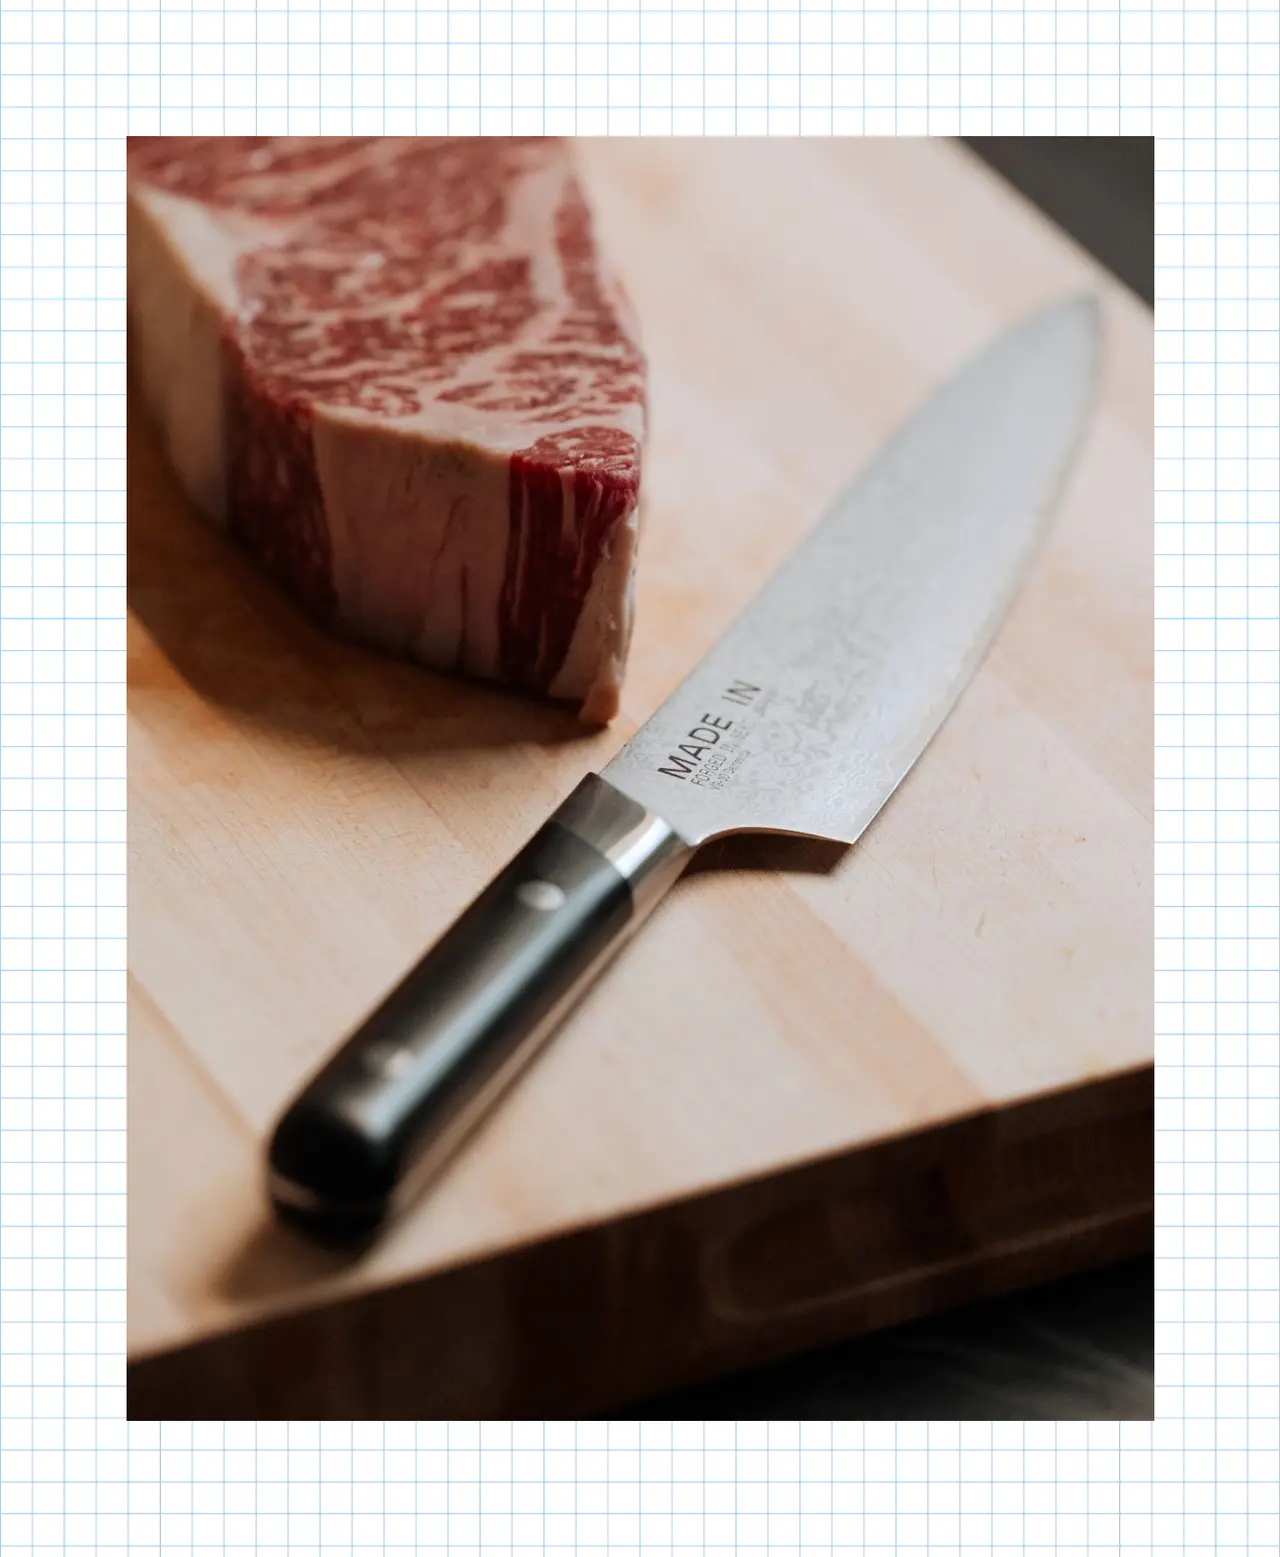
(71, 1474)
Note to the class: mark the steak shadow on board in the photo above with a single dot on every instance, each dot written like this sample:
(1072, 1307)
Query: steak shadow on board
(224, 629)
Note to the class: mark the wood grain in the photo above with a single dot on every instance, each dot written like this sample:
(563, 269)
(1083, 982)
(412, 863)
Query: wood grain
(885, 1079)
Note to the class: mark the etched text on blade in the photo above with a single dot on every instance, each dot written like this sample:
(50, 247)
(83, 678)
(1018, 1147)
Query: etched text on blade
(807, 713)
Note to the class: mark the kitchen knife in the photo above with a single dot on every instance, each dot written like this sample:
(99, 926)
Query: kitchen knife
(802, 719)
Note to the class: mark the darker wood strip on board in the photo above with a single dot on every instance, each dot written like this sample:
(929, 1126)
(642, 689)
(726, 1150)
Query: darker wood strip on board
(685, 1292)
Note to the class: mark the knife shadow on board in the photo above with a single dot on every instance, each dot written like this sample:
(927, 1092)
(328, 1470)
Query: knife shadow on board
(274, 1259)
(218, 624)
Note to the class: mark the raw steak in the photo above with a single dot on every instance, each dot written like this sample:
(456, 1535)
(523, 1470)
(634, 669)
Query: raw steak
(398, 371)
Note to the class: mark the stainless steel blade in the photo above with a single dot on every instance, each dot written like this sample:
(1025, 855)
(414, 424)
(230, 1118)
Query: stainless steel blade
(810, 710)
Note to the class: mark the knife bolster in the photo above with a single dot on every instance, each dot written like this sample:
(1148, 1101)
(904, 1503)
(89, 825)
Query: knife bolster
(646, 852)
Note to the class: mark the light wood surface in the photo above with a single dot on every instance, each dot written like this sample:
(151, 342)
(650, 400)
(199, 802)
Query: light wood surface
(823, 1089)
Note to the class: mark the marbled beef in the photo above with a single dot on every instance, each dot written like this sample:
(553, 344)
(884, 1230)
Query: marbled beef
(399, 372)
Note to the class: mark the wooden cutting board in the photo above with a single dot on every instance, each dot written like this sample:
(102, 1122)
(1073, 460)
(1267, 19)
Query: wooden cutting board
(824, 1090)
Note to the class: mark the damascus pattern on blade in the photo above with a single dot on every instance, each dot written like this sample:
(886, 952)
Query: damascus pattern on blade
(809, 711)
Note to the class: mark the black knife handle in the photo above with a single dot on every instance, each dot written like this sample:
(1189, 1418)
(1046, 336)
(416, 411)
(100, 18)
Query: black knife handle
(418, 1073)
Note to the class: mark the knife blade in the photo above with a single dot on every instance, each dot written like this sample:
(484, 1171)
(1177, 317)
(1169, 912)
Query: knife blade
(803, 718)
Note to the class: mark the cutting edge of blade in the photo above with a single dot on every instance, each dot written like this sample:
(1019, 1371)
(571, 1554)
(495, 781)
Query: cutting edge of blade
(1082, 306)
(1003, 602)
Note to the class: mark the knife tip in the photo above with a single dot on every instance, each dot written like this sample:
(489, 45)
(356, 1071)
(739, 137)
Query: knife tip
(1081, 311)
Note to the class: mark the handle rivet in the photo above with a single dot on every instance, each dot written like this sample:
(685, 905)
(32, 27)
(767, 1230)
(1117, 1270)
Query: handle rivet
(542, 895)
(386, 1058)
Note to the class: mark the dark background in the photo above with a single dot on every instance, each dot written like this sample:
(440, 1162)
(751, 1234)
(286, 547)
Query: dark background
(1101, 189)
(1078, 1349)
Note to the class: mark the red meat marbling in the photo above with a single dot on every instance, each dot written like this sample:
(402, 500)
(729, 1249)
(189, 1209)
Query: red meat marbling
(400, 373)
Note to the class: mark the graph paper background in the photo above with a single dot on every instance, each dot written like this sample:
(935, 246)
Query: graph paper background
(74, 81)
